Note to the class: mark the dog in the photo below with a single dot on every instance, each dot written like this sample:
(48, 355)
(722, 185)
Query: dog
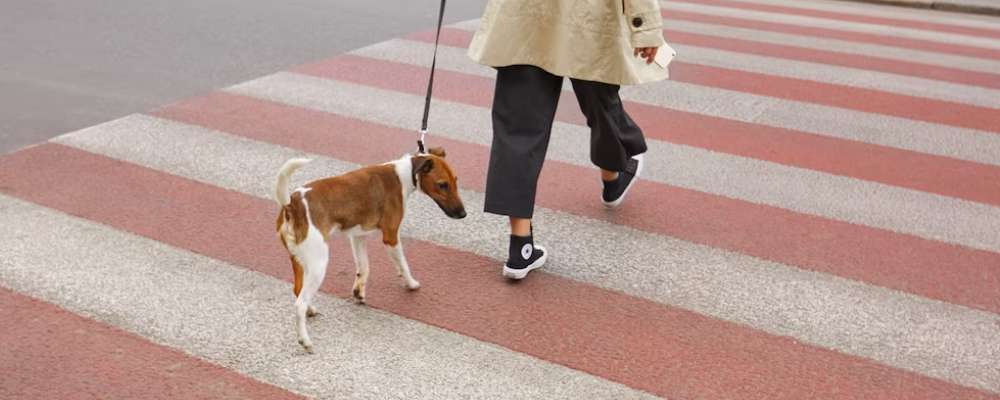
(361, 202)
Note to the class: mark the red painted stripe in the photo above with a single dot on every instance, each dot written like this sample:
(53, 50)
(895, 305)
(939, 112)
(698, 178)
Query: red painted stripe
(665, 351)
(935, 174)
(851, 98)
(50, 353)
(904, 23)
(915, 44)
(933, 269)
(458, 38)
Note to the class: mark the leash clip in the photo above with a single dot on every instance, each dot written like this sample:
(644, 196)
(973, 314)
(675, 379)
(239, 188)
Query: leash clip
(420, 142)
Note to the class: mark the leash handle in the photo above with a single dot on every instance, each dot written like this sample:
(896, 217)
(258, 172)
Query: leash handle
(430, 82)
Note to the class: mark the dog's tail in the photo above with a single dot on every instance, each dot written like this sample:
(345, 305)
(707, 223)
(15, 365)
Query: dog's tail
(281, 189)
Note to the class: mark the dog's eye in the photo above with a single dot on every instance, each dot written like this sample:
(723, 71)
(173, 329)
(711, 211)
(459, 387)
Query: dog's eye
(443, 185)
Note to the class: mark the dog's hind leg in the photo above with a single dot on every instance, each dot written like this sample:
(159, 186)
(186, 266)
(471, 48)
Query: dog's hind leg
(297, 270)
(313, 255)
(360, 250)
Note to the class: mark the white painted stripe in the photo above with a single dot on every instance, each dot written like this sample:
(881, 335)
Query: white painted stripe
(901, 133)
(862, 202)
(883, 30)
(888, 11)
(961, 143)
(193, 303)
(839, 75)
(468, 25)
(845, 76)
(906, 331)
(842, 46)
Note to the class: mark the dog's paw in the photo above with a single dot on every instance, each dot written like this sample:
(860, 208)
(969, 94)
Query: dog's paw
(359, 296)
(306, 345)
(311, 312)
(413, 285)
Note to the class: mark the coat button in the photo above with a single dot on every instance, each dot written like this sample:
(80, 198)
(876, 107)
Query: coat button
(636, 22)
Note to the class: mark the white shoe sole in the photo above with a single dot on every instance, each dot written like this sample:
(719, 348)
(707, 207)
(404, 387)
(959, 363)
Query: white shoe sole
(520, 273)
(638, 171)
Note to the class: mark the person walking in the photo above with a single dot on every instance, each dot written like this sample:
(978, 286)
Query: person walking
(533, 44)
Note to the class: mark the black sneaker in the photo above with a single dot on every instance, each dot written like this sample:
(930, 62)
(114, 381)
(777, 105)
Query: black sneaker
(615, 191)
(524, 257)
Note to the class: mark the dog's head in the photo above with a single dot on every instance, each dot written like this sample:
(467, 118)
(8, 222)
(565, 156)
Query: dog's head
(435, 178)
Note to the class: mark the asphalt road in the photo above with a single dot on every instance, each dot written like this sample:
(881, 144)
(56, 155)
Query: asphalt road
(66, 65)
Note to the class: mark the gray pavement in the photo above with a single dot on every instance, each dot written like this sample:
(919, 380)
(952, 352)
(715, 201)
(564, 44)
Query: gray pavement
(65, 65)
(987, 7)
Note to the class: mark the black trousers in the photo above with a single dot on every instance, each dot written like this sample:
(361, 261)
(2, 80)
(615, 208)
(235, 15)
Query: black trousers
(524, 105)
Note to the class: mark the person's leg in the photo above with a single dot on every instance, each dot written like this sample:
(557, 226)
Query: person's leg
(520, 226)
(524, 105)
(616, 142)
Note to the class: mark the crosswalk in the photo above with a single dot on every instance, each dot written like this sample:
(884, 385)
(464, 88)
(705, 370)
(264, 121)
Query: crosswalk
(819, 218)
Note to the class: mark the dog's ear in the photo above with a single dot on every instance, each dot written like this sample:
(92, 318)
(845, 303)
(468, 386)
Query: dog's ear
(437, 151)
(422, 165)
(426, 166)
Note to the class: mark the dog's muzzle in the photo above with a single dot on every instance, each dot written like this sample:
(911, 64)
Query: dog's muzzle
(458, 213)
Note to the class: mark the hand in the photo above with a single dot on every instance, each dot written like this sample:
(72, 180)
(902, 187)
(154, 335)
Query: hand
(649, 53)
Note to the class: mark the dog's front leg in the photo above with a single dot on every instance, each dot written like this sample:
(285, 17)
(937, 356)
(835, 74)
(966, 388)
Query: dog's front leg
(360, 251)
(396, 254)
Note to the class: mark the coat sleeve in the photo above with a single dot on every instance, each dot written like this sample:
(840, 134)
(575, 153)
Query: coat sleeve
(645, 22)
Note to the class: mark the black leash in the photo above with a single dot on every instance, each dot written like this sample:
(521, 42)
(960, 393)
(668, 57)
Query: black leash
(430, 83)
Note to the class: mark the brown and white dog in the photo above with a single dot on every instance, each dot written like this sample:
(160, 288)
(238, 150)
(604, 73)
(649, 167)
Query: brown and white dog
(361, 202)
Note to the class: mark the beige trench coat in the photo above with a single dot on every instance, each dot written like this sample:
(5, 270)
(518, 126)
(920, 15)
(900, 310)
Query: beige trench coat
(584, 39)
